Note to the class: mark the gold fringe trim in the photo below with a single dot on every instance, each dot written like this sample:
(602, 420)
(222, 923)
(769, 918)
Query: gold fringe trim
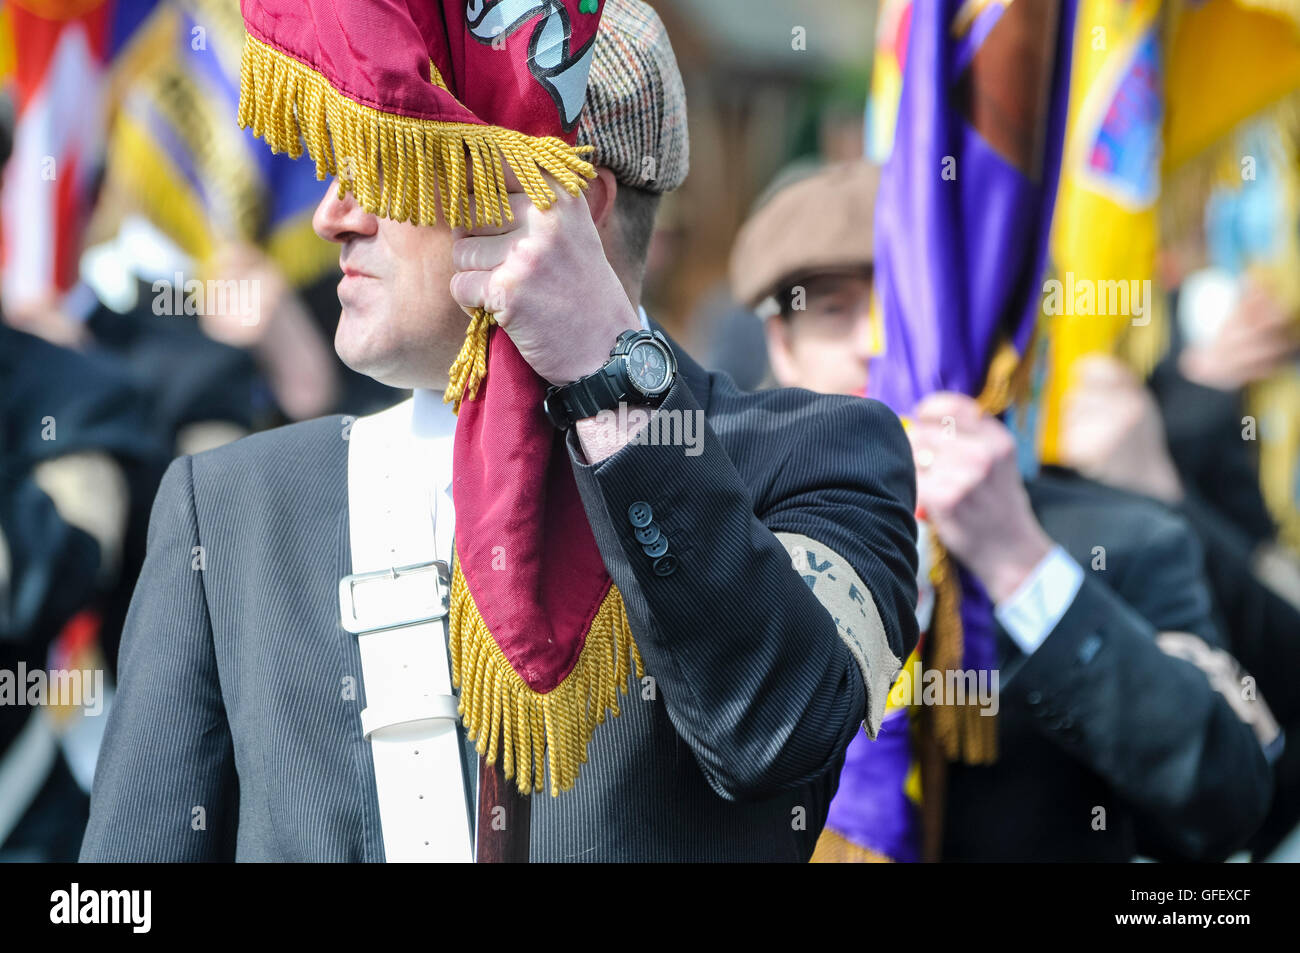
(399, 167)
(962, 731)
(833, 848)
(531, 731)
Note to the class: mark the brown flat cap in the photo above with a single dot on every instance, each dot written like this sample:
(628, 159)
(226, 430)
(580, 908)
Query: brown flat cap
(636, 103)
(820, 224)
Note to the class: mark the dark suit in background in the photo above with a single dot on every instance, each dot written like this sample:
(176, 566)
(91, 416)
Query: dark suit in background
(1226, 509)
(1099, 717)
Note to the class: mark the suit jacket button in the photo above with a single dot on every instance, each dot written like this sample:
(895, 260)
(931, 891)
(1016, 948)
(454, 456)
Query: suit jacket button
(640, 514)
(657, 548)
(1034, 698)
(647, 535)
(665, 565)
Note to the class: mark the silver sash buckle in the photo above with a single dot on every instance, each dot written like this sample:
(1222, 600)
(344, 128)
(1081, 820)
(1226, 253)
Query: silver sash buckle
(390, 598)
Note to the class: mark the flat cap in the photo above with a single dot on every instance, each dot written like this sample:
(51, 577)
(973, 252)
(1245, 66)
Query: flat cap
(820, 224)
(635, 113)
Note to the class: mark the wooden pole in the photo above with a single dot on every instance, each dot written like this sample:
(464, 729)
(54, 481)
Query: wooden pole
(503, 818)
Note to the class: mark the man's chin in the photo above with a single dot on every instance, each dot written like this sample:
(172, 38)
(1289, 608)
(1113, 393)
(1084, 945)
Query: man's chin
(387, 363)
(359, 351)
(399, 353)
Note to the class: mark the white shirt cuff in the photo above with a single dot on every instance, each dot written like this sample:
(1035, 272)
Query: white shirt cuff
(1030, 614)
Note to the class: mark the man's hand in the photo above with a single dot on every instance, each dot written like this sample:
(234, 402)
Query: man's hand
(299, 363)
(1112, 431)
(1255, 340)
(970, 490)
(44, 318)
(546, 279)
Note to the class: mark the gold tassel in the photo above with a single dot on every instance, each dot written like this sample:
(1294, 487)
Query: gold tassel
(399, 167)
(964, 732)
(531, 731)
(1275, 403)
(1008, 377)
(470, 367)
(832, 848)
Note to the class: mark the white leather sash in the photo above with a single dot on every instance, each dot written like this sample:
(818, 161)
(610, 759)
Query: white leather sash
(396, 602)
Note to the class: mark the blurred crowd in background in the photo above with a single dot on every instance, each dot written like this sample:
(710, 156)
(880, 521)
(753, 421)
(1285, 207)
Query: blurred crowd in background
(128, 177)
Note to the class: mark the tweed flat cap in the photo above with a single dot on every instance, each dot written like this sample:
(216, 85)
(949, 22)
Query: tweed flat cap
(635, 114)
(821, 223)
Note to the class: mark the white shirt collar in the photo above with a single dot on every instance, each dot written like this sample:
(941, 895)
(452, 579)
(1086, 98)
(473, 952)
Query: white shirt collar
(433, 429)
(430, 417)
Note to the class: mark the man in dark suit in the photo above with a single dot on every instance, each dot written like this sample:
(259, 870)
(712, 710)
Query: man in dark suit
(1109, 746)
(788, 520)
(1179, 441)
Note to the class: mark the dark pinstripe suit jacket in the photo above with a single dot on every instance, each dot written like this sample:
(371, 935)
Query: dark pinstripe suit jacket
(229, 738)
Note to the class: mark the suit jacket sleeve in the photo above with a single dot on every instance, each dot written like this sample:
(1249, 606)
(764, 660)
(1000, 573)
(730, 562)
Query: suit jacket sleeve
(1149, 723)
(758, 678)
(1203, 430)
(1261, 624)
(165, 785)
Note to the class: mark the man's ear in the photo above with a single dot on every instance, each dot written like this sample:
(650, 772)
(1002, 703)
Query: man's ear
(601, 193)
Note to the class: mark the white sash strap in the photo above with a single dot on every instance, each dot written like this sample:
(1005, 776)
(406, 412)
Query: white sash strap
(412, 716)
(396, 602)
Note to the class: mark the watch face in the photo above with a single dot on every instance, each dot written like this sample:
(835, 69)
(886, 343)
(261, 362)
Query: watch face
(647, 365)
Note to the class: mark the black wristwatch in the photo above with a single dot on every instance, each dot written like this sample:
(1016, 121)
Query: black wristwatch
(640, 370)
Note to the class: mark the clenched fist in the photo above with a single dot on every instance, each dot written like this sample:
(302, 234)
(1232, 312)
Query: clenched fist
(970, 490)
(546, 279)
(1113, 433)
(1260, 336)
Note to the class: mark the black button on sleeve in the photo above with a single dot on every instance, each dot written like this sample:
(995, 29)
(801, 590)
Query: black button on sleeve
(646, 535)
(640, 514)
(657, 548)
(665, 565)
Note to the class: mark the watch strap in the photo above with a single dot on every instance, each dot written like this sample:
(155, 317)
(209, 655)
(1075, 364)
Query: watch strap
(595, 392)
(585, 397)
(602, 390)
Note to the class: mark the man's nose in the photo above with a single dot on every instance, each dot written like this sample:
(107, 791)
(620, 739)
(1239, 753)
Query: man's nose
(337, 219)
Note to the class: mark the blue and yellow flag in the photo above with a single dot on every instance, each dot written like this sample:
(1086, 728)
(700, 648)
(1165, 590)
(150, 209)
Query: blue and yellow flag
(190, 169)
(1159, 89)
